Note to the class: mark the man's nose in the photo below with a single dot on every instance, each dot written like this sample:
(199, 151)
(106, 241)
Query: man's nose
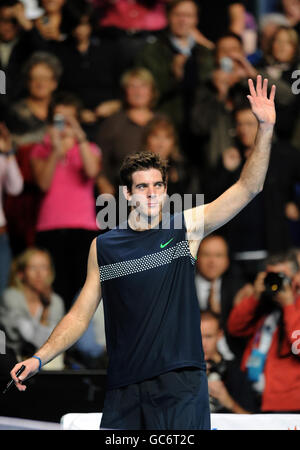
(151, 191)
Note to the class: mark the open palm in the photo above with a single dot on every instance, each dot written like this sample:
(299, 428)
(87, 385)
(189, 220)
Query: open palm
(262, 107)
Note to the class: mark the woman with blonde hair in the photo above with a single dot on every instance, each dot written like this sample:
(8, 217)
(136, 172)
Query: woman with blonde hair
(29, 309)
(121, 133)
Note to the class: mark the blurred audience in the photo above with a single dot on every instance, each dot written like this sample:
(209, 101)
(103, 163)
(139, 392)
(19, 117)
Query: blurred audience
(216, 287)
(179, 64)
(211, 116)
(96, 78)
(65, 165)
(291, 10)
(29, 308)
(27, 118)
(279, 62)
(217, 18)
(15, 49)
(122, 133)
(53, 26)
(130, 24)
(11, 181)
(229, 389)
(160, 137)
(261, 227)
(268, 313)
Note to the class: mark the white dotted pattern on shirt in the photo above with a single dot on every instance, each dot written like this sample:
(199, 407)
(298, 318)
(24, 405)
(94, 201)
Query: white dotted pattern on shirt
(123, 268)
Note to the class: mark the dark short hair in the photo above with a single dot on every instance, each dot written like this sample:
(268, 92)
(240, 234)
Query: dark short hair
(209, 314)
(41, 57)
(141, 161)
(171, 5)
(283, 257)
(230, 34)
(67, 99)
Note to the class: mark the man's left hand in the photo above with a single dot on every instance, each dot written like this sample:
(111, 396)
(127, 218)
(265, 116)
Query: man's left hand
(262, 107)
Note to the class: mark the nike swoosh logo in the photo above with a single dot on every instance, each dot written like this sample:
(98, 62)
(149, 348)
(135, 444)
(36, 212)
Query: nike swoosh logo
(164, 245)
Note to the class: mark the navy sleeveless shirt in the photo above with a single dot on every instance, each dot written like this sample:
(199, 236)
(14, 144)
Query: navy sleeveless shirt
(152, 315)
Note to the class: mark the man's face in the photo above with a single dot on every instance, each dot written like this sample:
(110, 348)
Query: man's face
(148, 192)
(211, 333)
(213, 258)
(8, 25)
(183, 19)
(284, 267)
(228, 47)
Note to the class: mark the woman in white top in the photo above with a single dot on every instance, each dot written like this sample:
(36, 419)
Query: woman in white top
(29, 309)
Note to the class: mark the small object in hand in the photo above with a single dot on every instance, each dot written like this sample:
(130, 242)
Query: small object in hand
(22, 368)
(59, 121)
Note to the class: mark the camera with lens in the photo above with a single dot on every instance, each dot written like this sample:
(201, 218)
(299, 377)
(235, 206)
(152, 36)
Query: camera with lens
(274, 282)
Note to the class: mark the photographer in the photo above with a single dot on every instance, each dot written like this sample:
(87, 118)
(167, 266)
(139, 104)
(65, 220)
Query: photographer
(268, 313)
(229, 389)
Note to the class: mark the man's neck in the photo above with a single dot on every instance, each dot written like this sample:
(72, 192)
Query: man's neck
(140, 222)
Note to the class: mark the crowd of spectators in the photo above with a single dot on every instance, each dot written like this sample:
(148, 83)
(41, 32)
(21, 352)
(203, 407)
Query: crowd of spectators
(89, 82)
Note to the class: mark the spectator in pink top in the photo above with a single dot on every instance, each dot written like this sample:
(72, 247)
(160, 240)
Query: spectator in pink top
(11, 181)
(65, 165)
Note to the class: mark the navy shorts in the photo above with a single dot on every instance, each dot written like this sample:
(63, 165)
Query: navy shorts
(175, 400)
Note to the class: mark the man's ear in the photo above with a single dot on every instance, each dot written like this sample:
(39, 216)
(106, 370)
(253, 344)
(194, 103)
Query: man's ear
(126, 193)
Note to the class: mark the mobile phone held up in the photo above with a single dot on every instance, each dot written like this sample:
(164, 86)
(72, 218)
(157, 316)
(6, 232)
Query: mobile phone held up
(59, 121)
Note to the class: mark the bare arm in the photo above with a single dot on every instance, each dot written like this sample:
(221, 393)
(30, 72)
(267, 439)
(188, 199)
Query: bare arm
(73, 324)
(204, 219)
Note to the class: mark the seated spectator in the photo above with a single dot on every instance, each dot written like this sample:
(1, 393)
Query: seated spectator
(160, 137)
(96, 78)
(216, 287)
(178, 64)
(29, 308)
(122, 133)
(27, 118)
(261, 228)
(52, 27)
(130, 25)
(11, 181)
(15, 48)
(267, 313)
(229, 389)
(65, 165)
(279, 63)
